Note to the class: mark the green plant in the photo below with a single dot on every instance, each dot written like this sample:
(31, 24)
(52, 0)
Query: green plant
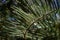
(34, 19)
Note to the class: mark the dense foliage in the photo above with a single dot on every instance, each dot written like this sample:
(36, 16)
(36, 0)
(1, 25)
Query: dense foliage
(29, 19)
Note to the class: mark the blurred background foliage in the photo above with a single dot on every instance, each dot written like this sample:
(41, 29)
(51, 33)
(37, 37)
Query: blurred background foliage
(29, 19)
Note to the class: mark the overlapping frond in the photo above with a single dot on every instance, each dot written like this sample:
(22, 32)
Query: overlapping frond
(30, 18)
